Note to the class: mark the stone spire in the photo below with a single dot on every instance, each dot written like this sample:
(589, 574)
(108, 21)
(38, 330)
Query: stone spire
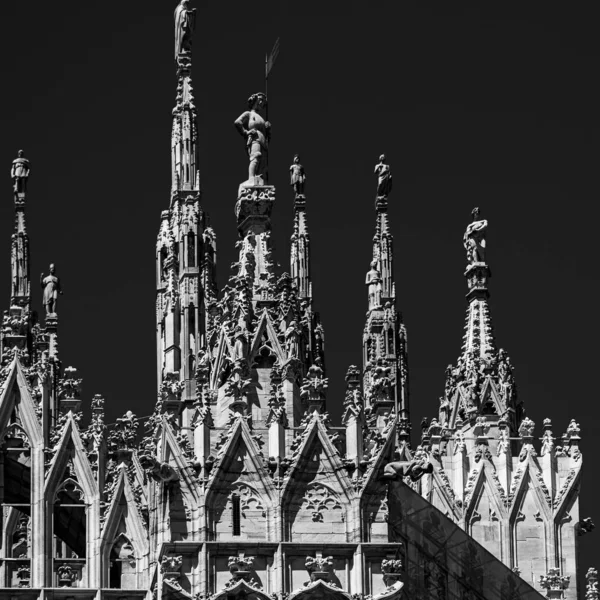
(184, 139)
(479, 337)
(384, 338)
(186, 245)
(300, 246)
(482, 381)
(17, 321)
(20, 284)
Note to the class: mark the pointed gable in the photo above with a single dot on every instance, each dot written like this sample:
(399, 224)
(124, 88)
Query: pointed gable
(70, 448)
(16, 396)
(317, 489)
(240, 485)
(223, 355)
(265, 340)
(124, 523)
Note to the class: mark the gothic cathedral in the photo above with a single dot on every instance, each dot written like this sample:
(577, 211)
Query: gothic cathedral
(238, 486)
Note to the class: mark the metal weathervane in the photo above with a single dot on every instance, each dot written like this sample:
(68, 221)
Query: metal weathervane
(269, 62)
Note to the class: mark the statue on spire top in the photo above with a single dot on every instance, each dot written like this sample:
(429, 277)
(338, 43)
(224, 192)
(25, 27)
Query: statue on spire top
(20, 173)
(257, 132)
(185, 20)
(474, 238)
(297, 176)
(384, 178)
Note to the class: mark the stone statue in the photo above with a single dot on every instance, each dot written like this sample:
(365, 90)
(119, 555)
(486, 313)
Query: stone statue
(51, 286)
(415, 469)
(257, 132)
(297, 176)
(384, 178)
(292, 340)
(185, 20)
(373, 280)
(20, 173)
(474, 239)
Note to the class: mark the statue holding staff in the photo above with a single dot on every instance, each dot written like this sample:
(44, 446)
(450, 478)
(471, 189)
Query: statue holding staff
(257, 132)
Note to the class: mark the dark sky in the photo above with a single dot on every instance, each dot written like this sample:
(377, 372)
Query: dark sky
(483, 106)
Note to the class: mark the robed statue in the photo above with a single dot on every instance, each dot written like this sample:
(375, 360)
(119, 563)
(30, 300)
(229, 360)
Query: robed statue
(384, 178)
(257, 132)
(474, 239)
(373, 281)
(297, 176)
(51, 286)
(20, 173)
(185, 20)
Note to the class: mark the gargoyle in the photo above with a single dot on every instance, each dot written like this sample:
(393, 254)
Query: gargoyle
(415, 469)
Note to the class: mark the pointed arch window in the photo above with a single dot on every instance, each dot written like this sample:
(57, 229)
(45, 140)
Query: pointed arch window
(15, 506)
(69, 539)
(390, 340)
(191, 249)
(122, 568)
(236, 514)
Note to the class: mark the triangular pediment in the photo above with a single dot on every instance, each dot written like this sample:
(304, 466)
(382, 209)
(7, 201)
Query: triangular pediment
(243, 590)
(317, 461)
(123, 509)
(384, 455)
(526, 482)
(16, 396)
(240, 467)
(321, 590)
(265, 337)
(490, 398)
(173, 455)
(223, 354)
(485, 485)
(70, 448)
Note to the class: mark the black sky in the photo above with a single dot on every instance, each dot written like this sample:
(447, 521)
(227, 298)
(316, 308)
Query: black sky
(483, 105)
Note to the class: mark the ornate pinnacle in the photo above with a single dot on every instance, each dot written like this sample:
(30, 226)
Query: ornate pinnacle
(591, 588)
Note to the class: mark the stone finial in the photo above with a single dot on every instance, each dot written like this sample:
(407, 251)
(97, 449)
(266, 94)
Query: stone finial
(66, 575)
(240, 566)
(591, 587)
(554, 583)
(547, 438)
(170, 567)
(319, 567)
(391, 570)
(24, 576)
(97, 404)
(124, 434)
(526, 428)
(573, 430)
(585, 526)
